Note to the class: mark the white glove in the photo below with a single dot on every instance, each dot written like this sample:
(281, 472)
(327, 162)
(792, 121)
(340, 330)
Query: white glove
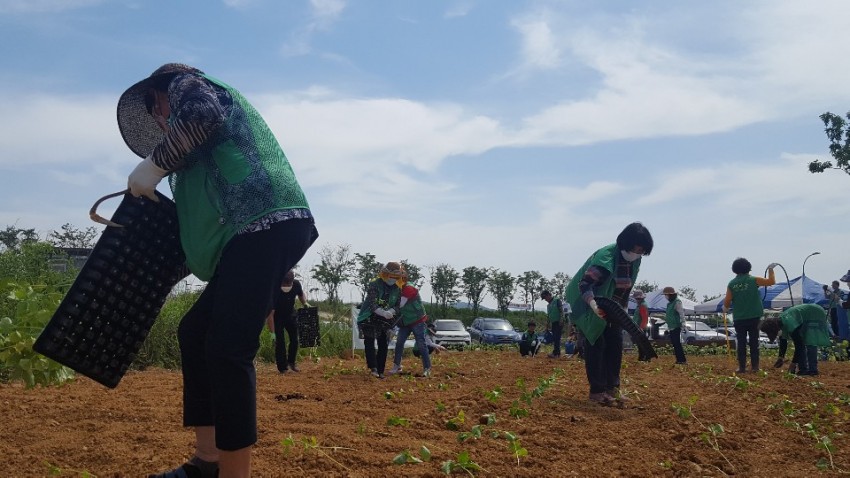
(596, 309)
(144, 178)
(772, 265)
(387, 314)
(307, 305)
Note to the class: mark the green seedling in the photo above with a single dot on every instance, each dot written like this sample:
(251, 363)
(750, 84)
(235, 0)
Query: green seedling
(494, 395)
(474, 433)
(53, 470)
(394, 421)
(461, 463)
(455, 422)
(406, 457)
(516, 411)
(441, 407)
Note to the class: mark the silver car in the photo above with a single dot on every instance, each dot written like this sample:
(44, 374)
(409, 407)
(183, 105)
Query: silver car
(451, 333)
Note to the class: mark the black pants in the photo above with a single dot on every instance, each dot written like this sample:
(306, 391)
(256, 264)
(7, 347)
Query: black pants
(557, 330)
(220, 334)
(833, 320)
(377, 362)
(747, 334)
(676, 342)
(603, 360)
(529, 349)
(285, 322)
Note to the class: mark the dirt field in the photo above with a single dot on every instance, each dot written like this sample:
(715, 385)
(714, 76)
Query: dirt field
(333, 419)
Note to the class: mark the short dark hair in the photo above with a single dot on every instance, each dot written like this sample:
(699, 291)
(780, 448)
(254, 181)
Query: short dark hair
(532, 323)
(544, 294)
(741, 266)
(635, 234)
(770, 326)
(289, 278)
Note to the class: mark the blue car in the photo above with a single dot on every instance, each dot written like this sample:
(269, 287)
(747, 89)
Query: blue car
(487, 330)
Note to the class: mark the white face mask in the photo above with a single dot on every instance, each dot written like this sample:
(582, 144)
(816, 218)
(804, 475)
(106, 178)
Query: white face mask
(286, 288)
(630, 256)
(390, 281)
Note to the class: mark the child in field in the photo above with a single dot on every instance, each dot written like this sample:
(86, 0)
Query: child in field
(433, 347)
(807, 327)
(529, 343)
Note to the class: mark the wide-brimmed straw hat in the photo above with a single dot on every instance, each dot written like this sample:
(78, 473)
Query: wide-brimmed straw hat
(668, 290)
(392, 270)
(137, 126)
(845, 277)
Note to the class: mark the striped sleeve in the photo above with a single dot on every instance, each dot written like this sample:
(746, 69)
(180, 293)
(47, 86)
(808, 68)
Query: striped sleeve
(196, 112)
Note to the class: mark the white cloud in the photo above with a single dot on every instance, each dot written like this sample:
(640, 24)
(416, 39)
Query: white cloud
(459, 9)
(539, 47)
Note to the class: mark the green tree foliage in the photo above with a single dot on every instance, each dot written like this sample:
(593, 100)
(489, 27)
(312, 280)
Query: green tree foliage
(414, 274)
(72, 237)
(529, 282)
(444, 282)
(335, 268)
(558, 284)
(646, 286)
(839, 144)
(473, 283)
(13, 237)
(366, 269)
(501, 285)
(687, 292)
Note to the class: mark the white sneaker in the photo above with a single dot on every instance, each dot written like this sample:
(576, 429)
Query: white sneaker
(396, 369)
(426, 373)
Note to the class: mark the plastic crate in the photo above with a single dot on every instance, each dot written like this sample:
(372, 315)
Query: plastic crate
(308, 327)
(103, 320)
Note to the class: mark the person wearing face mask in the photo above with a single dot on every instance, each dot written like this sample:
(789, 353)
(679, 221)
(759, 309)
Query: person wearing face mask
(674, 316)
(282, 319)
(377, 315)
(609, 272)
(244, 221)
(743, 293)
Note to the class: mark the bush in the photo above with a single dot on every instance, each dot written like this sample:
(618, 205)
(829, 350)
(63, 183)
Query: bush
(161, 348)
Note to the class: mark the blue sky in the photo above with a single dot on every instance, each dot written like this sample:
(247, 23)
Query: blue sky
(520, 135)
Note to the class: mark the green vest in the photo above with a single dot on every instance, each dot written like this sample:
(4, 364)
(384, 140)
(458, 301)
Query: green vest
(555, 310)
(636, 318)
(385, 297)
(413, 311)
(528, 337)
(746, 301)
(583, 316)
(238, 175)
(672, 316)
(812, 318)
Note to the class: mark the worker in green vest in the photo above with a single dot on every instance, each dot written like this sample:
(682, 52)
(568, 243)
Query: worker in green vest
(807, 327)
(609, 272)
(742, 293)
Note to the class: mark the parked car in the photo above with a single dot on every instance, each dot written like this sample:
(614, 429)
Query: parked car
(451, 333)
(487, 330)
(695, 332)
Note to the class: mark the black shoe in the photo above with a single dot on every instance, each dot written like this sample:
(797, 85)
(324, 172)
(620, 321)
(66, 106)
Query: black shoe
(779, 363)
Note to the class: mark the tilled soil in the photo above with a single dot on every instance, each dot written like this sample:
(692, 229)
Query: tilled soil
(334, 419)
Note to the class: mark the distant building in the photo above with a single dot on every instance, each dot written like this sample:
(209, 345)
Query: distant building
(69, 256)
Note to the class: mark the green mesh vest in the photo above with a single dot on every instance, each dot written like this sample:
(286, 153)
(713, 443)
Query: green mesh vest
(237, 176)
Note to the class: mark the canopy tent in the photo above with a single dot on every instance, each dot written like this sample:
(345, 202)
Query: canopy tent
(657, 303)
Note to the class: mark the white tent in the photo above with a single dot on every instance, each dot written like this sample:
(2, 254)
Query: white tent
(657, 303)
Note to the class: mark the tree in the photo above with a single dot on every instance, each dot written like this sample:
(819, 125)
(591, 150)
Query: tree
(706, 298)
(13, 237)
(529, 283)
(444, 281)
(839, 144)
(414, 274)
(646, 286)
(501, 285)
(558, 284)
(688, 292)
(473, 282)
(366, 270)
(336, 267)
(71, 237)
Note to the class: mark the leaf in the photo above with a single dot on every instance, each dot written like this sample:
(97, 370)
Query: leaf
(425, 453)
